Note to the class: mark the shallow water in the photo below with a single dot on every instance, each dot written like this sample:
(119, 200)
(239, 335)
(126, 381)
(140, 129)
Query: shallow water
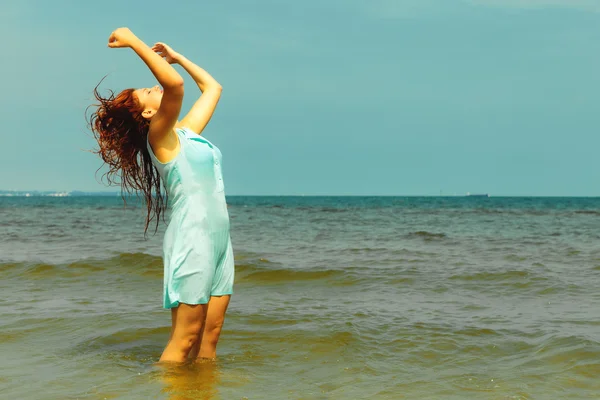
(335, 298)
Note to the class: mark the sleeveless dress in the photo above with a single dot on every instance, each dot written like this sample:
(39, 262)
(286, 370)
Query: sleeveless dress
(197, 252)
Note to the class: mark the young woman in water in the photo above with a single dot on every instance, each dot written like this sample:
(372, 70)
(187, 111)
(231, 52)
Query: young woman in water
(145, 144)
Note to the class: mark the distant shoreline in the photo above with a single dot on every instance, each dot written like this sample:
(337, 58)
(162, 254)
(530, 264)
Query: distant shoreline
(53, 193)
(77, 193)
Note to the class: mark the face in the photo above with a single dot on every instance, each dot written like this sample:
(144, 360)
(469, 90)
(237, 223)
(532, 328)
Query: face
(150, 99)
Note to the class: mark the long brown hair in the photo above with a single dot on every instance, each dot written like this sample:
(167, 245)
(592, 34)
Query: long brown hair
(121, 132)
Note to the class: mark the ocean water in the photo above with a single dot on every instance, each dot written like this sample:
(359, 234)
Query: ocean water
(335, 298)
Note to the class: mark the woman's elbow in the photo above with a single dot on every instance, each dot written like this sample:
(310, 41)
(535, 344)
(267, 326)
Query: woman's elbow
(176, 83)
(216, 87)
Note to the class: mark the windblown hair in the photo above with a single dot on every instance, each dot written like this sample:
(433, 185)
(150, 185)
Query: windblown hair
(121, 132)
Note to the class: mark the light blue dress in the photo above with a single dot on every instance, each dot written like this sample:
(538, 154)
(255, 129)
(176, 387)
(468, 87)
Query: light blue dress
(197, 252)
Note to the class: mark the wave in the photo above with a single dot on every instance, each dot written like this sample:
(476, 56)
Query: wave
(333, 210)
(493, 276)
(427, 236)
(123, 263)
(587, 212)
(367, 250)
(249, 268)
(252, 273)
(572, 353)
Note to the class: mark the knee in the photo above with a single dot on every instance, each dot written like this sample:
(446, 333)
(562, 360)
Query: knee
(186, 339)
(186, 342)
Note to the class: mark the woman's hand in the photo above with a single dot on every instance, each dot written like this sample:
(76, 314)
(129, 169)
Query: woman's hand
(172, 57)
(121, 37)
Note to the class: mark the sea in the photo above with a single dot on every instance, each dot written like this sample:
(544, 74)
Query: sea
(335, 298)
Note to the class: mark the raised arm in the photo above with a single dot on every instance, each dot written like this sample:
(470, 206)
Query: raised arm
(163, 122)
(203, 109)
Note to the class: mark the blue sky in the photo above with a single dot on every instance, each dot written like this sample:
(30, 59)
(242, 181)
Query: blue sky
(378, 97)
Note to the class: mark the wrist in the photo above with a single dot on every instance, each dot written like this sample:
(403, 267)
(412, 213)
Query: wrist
(135, 42)
(178, 58)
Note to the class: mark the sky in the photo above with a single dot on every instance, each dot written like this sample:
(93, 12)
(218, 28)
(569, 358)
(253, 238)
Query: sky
(324, 97)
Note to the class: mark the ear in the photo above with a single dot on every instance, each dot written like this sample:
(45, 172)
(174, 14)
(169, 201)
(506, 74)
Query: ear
(148, 113)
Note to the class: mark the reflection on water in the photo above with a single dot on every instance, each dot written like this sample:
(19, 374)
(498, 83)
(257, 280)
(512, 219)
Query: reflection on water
(191, 381)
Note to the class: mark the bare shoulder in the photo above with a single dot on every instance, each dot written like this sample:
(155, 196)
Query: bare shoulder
(165, 147)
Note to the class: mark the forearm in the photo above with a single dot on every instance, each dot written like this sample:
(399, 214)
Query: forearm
(202, 78)
(166, 75)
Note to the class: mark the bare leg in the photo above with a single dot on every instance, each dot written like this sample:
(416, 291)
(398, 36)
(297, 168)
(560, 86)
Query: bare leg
(173, 320)
(206, 346)
(187, 324)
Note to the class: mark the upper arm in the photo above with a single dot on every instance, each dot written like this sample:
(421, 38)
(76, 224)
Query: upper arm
(166, 116)
(201, 112)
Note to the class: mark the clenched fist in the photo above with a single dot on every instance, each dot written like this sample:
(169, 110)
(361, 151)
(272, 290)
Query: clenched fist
(121, 37)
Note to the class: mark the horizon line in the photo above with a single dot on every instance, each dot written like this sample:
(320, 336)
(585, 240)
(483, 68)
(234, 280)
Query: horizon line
(68, 193)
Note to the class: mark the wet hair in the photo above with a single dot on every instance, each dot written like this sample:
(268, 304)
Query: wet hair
(121, 132)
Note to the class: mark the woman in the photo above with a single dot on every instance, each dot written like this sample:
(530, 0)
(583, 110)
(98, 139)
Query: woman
(143, 143)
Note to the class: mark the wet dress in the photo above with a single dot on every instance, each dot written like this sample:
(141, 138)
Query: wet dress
(197, 252)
